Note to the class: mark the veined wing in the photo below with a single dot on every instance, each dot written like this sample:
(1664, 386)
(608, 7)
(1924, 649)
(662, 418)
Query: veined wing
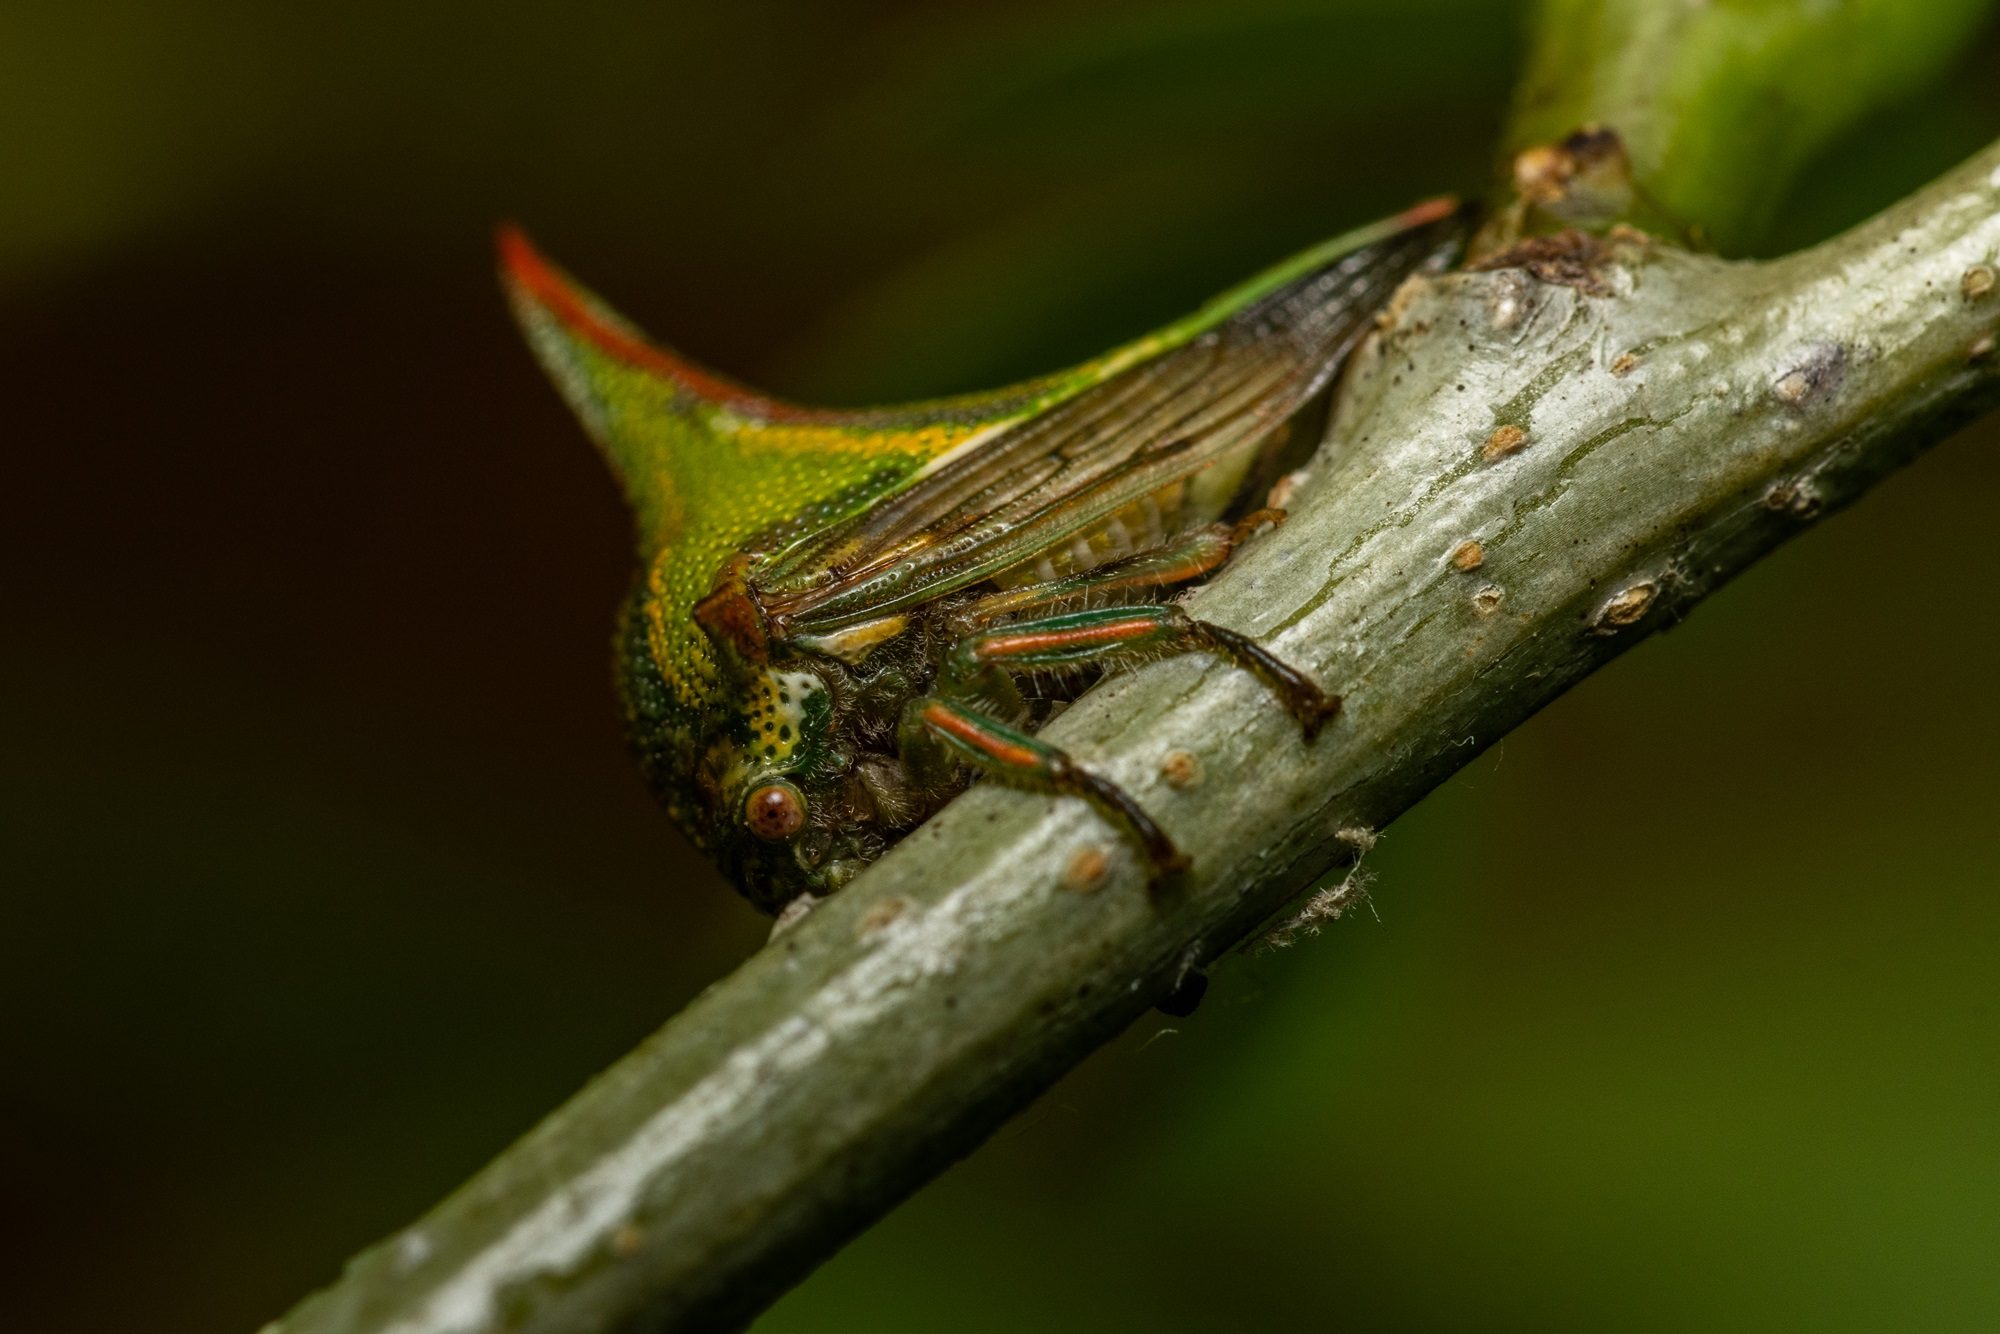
(826, 500)
(1003, 498)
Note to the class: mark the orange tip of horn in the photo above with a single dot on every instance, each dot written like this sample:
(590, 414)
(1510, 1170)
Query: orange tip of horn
(1430, 210)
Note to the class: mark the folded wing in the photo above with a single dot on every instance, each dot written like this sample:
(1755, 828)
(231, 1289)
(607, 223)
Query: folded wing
(1001, 499)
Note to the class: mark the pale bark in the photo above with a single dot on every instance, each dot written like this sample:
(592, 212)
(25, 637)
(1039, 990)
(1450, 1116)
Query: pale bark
(1616, 457)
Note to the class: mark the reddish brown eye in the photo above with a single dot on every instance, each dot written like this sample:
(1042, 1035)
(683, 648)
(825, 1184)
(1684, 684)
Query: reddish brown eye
(775, 811)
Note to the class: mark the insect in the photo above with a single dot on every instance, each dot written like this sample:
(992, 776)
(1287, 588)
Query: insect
(842, 616)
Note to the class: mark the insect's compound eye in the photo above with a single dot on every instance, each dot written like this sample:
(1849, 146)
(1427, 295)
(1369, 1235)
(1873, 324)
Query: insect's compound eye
(775, 811)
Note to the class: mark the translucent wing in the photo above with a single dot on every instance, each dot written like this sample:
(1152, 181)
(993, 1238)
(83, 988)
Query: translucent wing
(1035, 485)
(709, 465)
(831, 503)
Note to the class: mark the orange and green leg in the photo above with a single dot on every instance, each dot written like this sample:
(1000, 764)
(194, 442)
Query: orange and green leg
(977, 665)
(935, 730)
(1134, 578)
(955, 721)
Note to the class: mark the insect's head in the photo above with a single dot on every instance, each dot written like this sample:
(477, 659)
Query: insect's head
(778, 773)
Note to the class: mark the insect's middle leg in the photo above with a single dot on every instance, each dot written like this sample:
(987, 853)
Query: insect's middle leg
(955, 723)
(976, 665)
(936, 732)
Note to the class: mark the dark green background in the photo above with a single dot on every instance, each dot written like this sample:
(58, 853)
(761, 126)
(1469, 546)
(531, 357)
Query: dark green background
(328, 875)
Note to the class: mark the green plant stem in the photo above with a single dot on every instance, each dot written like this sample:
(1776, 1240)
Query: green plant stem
(1721, 104)
(1615, 456)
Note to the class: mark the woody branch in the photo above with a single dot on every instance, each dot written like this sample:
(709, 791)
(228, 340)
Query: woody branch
(1529, 470)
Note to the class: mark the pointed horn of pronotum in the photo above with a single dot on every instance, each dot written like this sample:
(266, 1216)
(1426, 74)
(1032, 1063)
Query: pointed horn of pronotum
(681, 438)
(630, 392)
(543, 293)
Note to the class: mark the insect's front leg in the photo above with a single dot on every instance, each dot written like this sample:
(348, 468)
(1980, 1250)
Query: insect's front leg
(936, 732)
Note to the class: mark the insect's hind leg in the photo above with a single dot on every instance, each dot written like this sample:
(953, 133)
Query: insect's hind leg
(936, 730)
(1108, 633)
